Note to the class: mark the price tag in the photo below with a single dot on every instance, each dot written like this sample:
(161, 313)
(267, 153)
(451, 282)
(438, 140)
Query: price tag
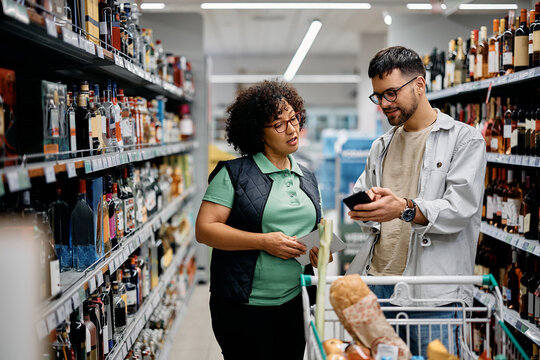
(515, 242)
(87, 166)
(51, 322)
(530, 248)
(125, 254)
(42, 329)
(61, 314)
(24, 179)
(110, 162)
(117, 160)
(537, 161)
(71, 171)
(81, 42)
(50, 175)
(95, 166)
(90, 47)
(92, 284)
(51, 28)
(13, 180)
(99, 278)
(68, 308)
(130, 247)
(118, 60)
(100, 52)
(112, 265)
(76, 300)
(521, 327)
(536, 250)
(524, 246)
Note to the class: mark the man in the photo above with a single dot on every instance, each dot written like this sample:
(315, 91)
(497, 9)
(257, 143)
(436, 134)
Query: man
(427, 174)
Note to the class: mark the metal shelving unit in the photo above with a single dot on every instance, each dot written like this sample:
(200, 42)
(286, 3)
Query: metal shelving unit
(519, 242)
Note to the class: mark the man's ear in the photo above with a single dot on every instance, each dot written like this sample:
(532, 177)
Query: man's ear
(420, 84)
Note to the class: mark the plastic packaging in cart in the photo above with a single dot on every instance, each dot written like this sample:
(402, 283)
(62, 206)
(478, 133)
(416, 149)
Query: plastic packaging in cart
(387, 352)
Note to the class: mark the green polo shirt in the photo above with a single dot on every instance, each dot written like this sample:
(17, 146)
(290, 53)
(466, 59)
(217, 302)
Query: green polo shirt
(288, 210)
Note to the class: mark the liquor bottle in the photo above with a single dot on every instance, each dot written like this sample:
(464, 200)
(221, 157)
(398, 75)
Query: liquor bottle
(508, 44)
(71, 122)
(119, 213)
(530, 23)
(107, 244)
(104, 18)
(82, 231)
(91, 335)
(497, 143)
(52, 119)
(127, 124)
(499, 195)
(523, 285)
(529, 129)
(48, 255)
(482, 55)
(83, 120)
(126, 195)
(537, 130)
(107, 298)
(493, 51)
(150, 200)
(136, 276)
(490, 200)
(535, 29)
(532, 285)
(102, 114)
(521, 116)
(65, 350)
(97, 318)
(116, 115)
(512, 202)
(486, 132)
(120, 311)
(186, 122)
(537, 306)
(112, 212)
(521, 43)
(112, 144)
(134, 41)
(513, 282)
(77, 334)
(115, 26)
(95, 119)
(510, 129)
(123, 33)
(131, 290)
(157, 188)
(59, 221)
(502, 28)
(140, 208)
(530, 212)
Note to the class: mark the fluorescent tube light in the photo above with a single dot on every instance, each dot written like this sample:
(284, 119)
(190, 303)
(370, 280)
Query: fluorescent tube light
(302, 50)
(298, 79)
(285, 6)
(152, 6)
(422, 6)
(488, 6)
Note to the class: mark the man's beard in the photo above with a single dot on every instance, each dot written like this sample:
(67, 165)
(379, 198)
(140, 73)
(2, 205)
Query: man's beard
(404, 113)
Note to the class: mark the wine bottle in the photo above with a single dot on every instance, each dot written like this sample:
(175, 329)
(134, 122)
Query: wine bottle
(59, 221)
(482, 55)
(521, 43)
(82, 231)
(493, 55)
(508, 44)
(535, 29)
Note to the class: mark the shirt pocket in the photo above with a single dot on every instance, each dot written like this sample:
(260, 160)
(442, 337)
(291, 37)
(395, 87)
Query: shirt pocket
(435, 184)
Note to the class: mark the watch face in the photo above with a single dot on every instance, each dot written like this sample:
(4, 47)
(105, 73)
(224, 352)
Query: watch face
(408, 215)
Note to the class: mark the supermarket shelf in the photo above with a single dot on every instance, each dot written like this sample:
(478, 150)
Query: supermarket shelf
(510, 316)
(468, 88)
(171, 335)
(18, 177)
(63, 46)
(523, 326)
(74, 292)
(141, 317)
(531, 246)
(520, 160)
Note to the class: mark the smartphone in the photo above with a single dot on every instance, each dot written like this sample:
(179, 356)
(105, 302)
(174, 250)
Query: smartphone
(357, 198)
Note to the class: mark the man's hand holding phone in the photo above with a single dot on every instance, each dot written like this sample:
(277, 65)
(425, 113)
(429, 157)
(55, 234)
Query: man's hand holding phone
(384, 206)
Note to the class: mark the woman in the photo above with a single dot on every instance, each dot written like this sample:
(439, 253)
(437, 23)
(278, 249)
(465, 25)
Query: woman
(253, 211)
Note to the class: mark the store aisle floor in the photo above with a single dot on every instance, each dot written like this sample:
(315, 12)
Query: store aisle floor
(195, 339)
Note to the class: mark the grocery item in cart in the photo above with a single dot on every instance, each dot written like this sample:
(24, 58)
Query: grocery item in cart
(360, 313)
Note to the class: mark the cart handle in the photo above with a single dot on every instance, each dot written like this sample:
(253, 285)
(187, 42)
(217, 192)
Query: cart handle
(483, 280)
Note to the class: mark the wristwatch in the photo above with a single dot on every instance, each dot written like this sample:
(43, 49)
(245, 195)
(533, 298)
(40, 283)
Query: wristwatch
(409, 212)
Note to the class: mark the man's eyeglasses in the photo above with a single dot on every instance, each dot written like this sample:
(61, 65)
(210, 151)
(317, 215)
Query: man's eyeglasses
(389, 95)
(281, 126)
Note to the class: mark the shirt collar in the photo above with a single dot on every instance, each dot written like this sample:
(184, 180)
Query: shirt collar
(267, 167)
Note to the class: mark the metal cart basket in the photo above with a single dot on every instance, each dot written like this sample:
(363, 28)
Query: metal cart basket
(457, 332)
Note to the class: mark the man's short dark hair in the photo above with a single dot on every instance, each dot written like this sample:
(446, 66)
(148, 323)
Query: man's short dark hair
(396, 57)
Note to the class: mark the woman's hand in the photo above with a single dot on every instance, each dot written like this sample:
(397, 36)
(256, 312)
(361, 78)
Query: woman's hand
(314, 256)
(283, 246)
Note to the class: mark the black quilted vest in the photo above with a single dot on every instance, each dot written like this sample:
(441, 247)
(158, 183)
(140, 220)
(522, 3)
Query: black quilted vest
(231, 272)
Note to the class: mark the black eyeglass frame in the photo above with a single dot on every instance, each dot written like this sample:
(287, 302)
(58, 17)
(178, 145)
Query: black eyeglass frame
(377, 98)
(296, 117)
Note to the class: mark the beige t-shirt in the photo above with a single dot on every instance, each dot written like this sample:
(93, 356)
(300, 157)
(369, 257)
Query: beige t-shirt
(401, 171)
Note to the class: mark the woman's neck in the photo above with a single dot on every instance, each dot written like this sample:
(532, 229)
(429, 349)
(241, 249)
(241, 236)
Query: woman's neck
(282, 162)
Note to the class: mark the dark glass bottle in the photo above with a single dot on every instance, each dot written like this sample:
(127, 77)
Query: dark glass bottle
(508, 44)
(59, 218)
(77, 335)
(521, 119)
(83, 120)
(82, 231)
(521, 43)
(72, 124)
(530, 212)
(513, 283)
(126, 195)
(91, 335)
(535, 29)
(112, 212)
(131, 289)
(120, 311)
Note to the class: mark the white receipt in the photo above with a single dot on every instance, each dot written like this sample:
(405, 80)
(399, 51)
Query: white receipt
(312, 240)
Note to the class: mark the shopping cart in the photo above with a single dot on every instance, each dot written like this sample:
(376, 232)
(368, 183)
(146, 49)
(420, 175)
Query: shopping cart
(458, 331)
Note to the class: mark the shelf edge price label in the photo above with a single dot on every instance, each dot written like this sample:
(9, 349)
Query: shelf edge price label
(41, 328)
(87, 166)
(68, 307)
(13, 180)
(100, 52)
(50, 175)
(61, 314)
(51, 322)
(536, 250)
(76, 300)
(92, 284)
(71, 171)
(51, 27)
(99, 278)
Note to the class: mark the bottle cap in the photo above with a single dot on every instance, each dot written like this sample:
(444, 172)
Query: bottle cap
(115, 188)
(82, 186)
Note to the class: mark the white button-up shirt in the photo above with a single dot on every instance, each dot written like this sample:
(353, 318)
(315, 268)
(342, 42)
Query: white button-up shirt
(450, 195)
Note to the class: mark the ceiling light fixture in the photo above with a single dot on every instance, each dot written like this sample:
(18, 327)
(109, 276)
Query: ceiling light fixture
(298, 79)
(152, 6)
(423, 6)
(302, 50)
(285, 6)
(387, 17)
(488, 6)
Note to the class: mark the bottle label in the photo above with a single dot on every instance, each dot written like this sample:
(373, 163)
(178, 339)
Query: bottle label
(530, 304)
(105, 340)
(536, 41)
(527, 223)
(120, 223)
(103, 28)
(494, 144)
(54, 123)
(504, 213)
(536, 307)
(493, 63)
(55, 278)
(129, 213)
(514, 138)
(530, 43)
(88, 341)
(521, 51)
(471, 64)
(521, 223)
(72, 132)
(508, 58)
(150, 200)
(479, 65)
(513, 207)
(507, 132)
(490, 207)
(132, 297)
(498, 202)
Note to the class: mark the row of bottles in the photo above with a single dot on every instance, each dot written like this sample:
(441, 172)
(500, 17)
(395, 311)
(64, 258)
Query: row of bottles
(511, 201)
(518, 274)
(509, 125)
(514, 45)
(87, 121)
(92, 331)
(89, 217)
(114, 25)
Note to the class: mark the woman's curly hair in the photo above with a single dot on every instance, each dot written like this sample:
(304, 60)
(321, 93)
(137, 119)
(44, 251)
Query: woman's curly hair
(254, 108)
